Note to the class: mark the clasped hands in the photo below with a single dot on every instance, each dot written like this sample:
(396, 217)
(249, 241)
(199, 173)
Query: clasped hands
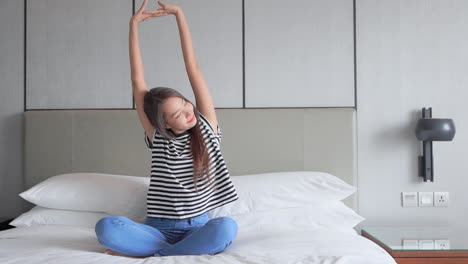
(142, 15)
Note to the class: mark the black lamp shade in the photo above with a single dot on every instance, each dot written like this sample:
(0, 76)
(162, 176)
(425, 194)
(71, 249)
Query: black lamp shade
(435, 129)
(430, 129)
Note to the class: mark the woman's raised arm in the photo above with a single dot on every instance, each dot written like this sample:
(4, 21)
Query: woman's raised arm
(203, 97)
(136, 63)
(139, 85)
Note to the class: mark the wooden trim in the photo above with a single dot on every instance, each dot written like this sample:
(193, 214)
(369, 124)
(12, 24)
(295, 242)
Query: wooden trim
(430, 254)
(371, 238)
(431, 260)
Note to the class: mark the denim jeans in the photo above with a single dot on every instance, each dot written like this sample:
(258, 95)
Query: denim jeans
(165, 237)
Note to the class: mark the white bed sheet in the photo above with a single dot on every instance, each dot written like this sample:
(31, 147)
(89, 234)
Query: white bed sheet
(55, 244)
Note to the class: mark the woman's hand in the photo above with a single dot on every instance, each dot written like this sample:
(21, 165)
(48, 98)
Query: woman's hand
(168, 9)
(142, 15)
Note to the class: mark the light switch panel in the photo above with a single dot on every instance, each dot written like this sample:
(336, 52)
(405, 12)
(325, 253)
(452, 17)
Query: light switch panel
(426, 199)
(410, 244)
(426, 244)
(409, 199)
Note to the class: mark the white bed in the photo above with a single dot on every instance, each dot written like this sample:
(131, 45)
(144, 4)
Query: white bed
(283, 217)
(269, 245)
(287, 221)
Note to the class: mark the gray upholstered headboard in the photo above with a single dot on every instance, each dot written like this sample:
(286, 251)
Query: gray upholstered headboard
(254, 141)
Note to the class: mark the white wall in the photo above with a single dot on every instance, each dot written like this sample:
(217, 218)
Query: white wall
(410, 54)
(217, 42)
(299, 54)
(11, 106)
(77, 54)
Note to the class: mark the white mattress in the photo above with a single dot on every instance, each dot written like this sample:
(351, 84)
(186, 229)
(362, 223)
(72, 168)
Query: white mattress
(54, 244)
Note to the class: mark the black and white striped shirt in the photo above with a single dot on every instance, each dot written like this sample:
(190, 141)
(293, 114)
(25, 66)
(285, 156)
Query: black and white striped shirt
(172, 193)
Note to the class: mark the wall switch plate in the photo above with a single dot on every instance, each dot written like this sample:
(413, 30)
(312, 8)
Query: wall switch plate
(442, 244)
(426, 244)
(441, 199)
(409, 199)
(426, 199)
(410, 244)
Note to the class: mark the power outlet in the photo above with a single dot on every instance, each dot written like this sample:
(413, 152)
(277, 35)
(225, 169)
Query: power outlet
(442, 244)
(441, 199)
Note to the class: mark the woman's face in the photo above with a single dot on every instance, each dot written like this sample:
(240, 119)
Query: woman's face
(179, 114)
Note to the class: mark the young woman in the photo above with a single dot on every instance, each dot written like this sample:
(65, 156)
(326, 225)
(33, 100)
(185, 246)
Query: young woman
(188, 174)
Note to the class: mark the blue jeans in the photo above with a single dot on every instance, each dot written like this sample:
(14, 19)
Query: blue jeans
(165, 237)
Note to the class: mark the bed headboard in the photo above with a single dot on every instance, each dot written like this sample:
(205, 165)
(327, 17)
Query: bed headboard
(254, 141)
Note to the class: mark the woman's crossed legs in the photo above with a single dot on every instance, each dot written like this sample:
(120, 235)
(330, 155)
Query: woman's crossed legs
(125, 237)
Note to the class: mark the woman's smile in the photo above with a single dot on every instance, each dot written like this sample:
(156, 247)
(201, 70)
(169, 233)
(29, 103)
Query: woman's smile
(193, 119)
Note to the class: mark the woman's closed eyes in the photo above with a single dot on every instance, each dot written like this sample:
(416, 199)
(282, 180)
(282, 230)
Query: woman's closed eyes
(185, 103)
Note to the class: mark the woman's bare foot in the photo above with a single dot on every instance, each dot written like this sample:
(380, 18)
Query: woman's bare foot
(110, 252)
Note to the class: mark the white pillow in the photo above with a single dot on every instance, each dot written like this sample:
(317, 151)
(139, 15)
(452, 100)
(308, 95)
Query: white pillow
(126, 195)
(262, 192)
(45, 216)
(92, 192)
(332, 215)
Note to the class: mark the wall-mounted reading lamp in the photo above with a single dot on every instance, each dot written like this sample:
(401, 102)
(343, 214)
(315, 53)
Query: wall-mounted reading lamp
(430, 129)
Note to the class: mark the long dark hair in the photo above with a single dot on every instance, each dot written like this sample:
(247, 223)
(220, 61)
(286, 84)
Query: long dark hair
(153, 107)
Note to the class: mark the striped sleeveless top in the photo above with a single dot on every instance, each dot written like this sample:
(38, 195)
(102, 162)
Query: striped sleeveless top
(172, 193)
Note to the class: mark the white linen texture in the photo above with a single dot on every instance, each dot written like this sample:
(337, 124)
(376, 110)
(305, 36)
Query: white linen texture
(44, 216)
(331, 215)
(301, 196)
(58, 244)
(283, 217)
(92, 192)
